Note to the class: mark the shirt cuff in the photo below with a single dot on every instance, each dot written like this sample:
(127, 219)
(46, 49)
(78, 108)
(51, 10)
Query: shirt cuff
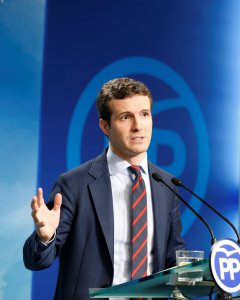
(48, 242)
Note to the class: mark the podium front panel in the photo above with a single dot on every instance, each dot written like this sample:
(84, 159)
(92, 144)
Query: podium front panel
(162, 284)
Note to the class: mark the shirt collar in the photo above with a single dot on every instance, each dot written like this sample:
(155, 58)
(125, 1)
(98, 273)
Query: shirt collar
(116, 164)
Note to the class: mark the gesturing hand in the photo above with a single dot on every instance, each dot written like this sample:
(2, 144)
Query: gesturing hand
(46, 220)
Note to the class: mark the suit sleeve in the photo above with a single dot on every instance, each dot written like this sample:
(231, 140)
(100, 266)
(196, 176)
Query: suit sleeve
(37, 256)
(175, 242)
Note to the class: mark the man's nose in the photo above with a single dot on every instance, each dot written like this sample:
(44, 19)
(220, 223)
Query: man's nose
(137, 123)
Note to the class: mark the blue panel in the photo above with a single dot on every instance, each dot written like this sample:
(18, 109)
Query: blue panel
(179, 49)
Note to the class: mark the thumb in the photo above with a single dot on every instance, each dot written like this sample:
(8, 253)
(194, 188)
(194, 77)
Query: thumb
(57, 202)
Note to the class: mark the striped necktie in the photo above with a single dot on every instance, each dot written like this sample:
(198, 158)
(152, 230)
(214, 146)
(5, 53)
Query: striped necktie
(139, 225)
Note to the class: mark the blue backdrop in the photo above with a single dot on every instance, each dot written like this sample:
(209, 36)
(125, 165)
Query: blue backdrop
(186, 53)
(21, 41)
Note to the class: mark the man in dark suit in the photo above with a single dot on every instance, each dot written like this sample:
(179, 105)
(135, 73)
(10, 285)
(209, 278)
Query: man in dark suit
(86, 221)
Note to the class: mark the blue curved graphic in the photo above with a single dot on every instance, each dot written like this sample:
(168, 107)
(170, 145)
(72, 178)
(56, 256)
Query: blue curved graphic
(186, 100)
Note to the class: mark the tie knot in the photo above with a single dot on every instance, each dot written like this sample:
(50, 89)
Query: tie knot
(135, 170)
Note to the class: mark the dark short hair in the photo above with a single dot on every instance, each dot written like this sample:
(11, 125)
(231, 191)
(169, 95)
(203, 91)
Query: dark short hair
(119, 88)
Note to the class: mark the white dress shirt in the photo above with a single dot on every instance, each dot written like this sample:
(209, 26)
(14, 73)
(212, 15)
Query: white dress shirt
(121, 183)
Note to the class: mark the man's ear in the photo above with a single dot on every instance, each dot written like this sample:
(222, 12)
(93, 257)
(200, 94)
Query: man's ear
(104, 126)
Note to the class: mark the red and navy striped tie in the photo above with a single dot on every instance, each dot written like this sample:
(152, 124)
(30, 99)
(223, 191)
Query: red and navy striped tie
(139, 225)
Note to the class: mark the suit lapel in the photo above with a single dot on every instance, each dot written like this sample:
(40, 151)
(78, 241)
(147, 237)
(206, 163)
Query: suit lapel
(160, 218)
(101, 193)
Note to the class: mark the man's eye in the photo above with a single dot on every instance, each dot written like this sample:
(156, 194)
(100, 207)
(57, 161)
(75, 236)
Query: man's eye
(146, 114)
(125, 117)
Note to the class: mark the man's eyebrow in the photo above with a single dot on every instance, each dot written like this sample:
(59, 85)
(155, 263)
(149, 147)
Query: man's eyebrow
(146, 109)
(130, 112)
(124, 112)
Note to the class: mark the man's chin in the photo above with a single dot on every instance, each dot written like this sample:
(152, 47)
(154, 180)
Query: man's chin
(140, 147)
(138, 150)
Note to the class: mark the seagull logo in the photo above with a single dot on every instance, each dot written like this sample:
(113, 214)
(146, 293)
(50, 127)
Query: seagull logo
(225, 265)
(229, 253)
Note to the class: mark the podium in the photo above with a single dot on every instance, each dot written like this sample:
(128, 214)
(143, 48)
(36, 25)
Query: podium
(163, 284)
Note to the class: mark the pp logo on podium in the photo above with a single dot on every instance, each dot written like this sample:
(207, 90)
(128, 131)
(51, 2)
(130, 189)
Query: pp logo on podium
(225, 265)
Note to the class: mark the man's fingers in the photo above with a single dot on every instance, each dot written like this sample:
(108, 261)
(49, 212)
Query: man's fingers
(57, 201)
(40, 199)
(34, 204)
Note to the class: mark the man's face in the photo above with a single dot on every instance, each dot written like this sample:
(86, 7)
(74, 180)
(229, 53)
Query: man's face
(130, 130)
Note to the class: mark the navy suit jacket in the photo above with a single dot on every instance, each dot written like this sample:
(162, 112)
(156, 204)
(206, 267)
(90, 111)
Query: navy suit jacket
(84, 241)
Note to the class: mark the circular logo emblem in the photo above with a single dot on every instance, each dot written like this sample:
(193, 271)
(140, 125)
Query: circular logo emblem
(225, 265)
(82, 133)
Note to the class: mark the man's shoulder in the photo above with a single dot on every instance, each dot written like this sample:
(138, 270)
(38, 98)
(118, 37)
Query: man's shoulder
(91, 167)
